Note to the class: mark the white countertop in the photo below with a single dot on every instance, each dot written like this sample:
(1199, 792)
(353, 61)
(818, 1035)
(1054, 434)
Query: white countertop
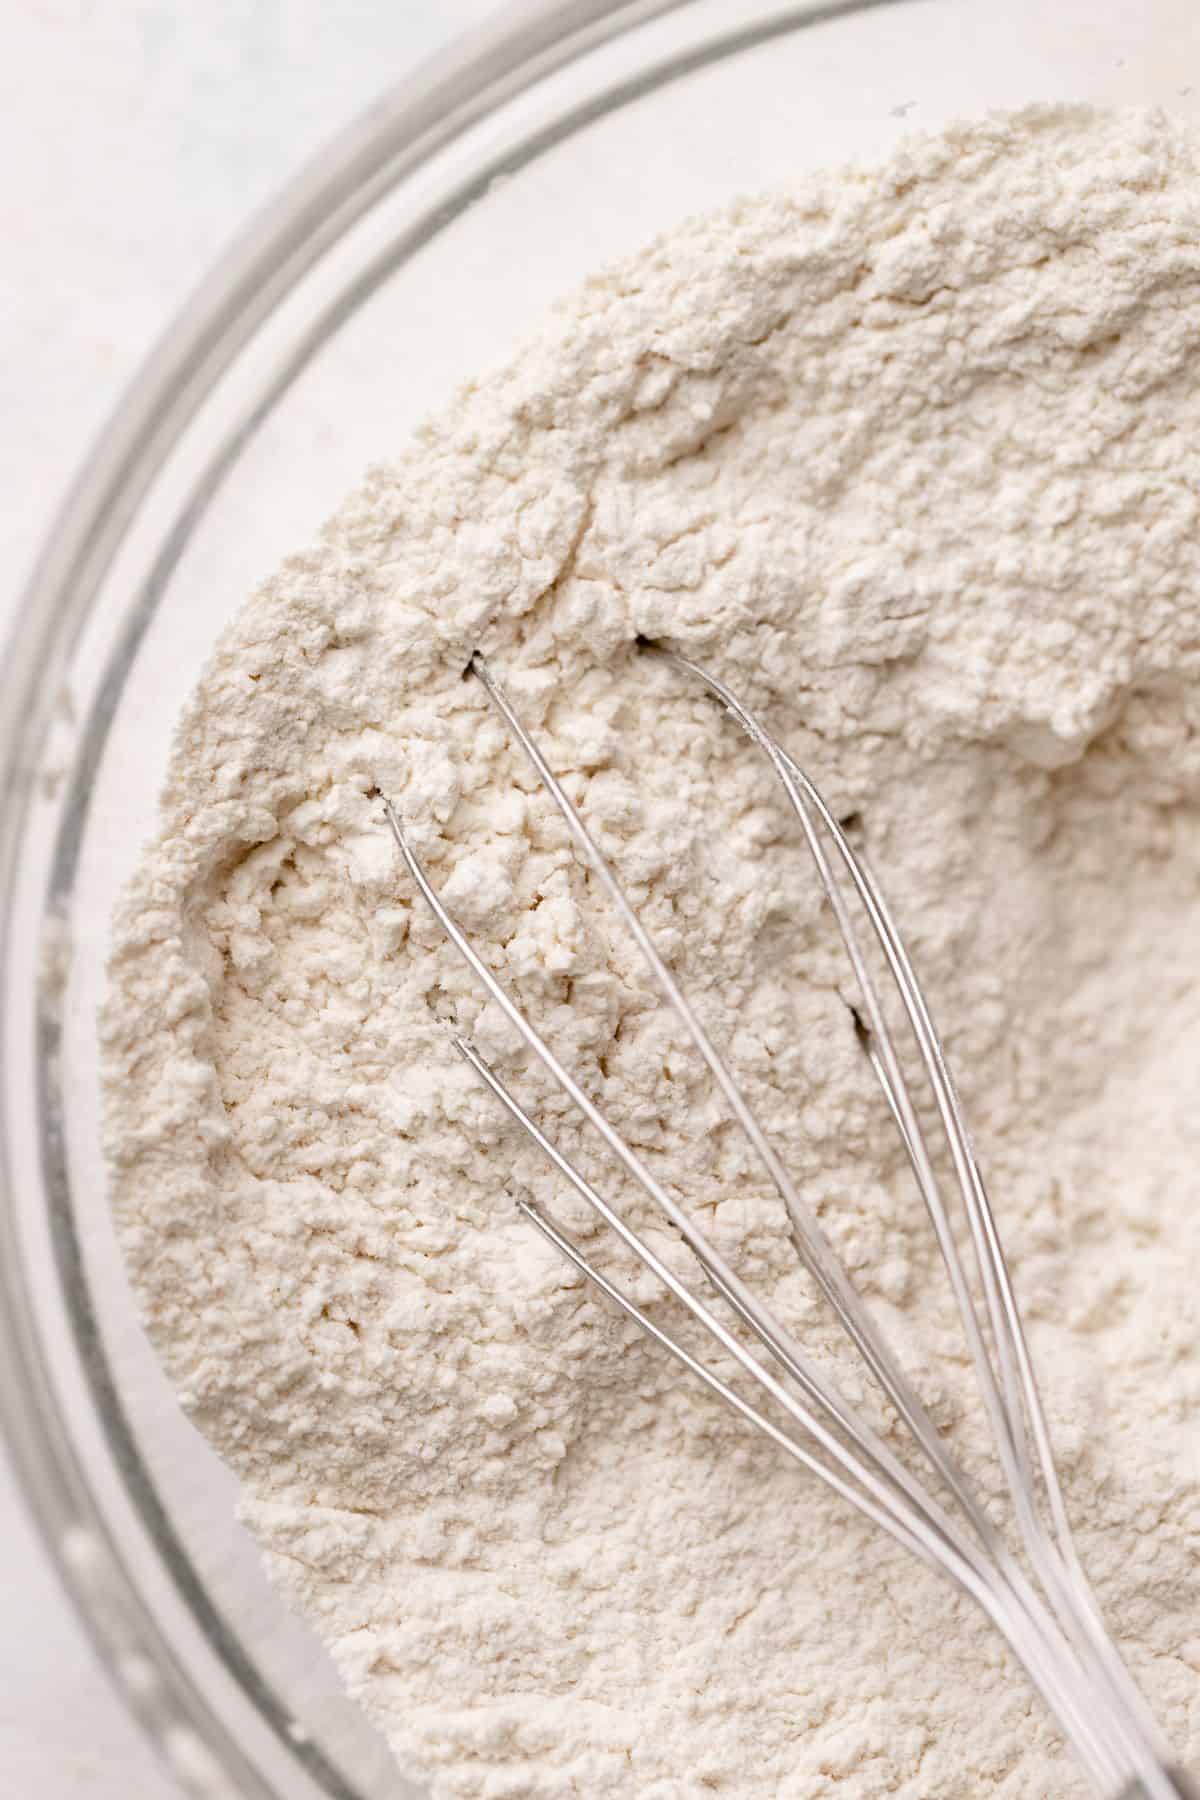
(135, 135)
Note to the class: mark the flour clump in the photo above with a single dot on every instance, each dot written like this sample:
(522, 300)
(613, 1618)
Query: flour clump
(912, 458)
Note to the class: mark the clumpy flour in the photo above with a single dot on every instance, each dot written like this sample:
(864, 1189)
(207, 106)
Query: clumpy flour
(912, 458)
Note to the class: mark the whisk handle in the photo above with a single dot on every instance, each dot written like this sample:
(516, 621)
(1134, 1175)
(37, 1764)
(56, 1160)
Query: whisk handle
(1181, 1788)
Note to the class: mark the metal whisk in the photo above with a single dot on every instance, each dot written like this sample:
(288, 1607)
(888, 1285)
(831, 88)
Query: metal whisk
(1043, 1605)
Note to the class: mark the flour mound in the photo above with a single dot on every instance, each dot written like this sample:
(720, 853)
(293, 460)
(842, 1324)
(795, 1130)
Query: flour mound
(912, 458)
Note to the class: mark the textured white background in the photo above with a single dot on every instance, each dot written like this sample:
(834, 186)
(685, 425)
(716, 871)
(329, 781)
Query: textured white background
(135, 135)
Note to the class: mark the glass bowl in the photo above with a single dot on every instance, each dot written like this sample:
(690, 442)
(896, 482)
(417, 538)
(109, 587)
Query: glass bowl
(418, 250)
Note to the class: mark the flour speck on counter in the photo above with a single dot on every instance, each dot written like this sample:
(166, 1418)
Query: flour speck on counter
(911, 457)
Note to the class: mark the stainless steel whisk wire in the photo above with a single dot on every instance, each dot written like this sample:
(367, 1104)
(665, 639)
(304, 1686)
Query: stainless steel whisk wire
(1057, 1634)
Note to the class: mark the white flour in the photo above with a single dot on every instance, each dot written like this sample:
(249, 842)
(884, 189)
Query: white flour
(913, 458)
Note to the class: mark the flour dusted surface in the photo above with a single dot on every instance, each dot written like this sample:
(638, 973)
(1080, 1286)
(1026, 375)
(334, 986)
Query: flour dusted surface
(912, 458)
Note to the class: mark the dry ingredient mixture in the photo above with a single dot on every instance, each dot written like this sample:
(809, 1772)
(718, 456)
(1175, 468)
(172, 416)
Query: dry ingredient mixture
(912, 457)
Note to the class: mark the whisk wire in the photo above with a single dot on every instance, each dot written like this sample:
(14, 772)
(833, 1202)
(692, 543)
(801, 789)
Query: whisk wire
(1117, 1742)
(816, 1251)
(1071, 1580)
(1013, 1403)
(905, 1511)
(1053, 1678)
